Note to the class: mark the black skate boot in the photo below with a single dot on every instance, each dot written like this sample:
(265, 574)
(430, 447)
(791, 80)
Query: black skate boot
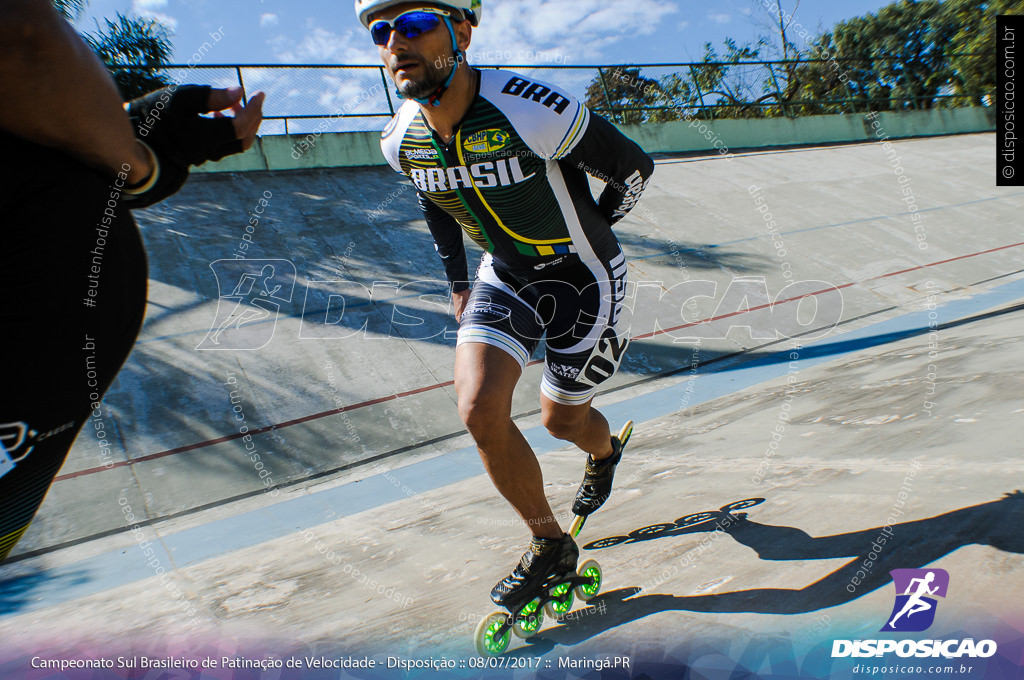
(547, 560)
(597, 481)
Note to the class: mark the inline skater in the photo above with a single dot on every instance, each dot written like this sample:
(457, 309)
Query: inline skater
(73, 256)
(505, 159)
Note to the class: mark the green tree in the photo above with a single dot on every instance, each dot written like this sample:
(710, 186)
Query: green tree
(134, 49)
(899, 53)
(909, 54)
(632, 98)
(622, 93)
(819, 85)
(71, 9)
(679, 95)
(976, 36)
(735, 89)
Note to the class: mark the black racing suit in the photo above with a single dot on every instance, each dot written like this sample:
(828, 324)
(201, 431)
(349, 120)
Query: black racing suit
(514, 178)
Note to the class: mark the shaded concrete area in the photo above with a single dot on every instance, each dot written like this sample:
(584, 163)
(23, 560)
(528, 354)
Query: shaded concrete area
(888, 412)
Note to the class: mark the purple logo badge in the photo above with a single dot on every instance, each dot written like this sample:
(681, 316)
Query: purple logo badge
(914, 610)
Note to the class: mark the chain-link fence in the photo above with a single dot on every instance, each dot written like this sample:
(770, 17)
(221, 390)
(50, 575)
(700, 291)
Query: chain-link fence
(336, 98)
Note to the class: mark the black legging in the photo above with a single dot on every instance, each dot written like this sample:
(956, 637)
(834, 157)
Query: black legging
(63, 235)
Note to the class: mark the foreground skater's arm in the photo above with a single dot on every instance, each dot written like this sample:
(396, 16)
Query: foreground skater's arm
(58, 93)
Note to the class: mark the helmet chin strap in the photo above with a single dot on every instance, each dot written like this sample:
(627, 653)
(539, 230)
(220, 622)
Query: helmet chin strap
(435, 98)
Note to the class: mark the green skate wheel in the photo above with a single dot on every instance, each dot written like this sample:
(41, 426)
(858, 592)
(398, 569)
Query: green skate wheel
(488, 643)
(529, 621)
(592, 570)
(560, 606)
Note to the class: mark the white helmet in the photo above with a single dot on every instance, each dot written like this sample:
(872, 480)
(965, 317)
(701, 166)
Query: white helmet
(470, 9)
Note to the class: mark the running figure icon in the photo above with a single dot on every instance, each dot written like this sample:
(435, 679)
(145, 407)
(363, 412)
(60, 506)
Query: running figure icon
(250, 299)
(916, 604)
(245, 291)
(916, 592)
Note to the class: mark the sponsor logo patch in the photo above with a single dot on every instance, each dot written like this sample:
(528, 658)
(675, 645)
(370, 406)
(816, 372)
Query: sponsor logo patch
(563, 371)
(540, 266)
(421, 154)
(489, 309)
(487, 141)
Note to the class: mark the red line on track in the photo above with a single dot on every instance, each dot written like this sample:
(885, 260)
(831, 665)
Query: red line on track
(239, 435)
(401, 395)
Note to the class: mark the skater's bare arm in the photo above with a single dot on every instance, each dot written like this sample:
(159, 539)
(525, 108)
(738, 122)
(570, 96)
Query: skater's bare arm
(447, 235)
(58, 93)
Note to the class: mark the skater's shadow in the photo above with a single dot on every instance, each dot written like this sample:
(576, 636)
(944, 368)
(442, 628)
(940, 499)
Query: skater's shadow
(721, 519)
(908, 545)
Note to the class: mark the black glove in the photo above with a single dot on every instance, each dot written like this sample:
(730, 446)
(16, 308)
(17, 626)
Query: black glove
(168, 123)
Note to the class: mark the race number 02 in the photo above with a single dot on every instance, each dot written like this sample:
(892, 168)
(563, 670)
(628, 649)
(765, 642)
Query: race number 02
(605, 359)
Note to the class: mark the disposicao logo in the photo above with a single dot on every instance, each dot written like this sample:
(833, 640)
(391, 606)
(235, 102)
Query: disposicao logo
(913, 612)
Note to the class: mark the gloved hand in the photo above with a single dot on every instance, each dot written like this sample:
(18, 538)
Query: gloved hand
(168, 123)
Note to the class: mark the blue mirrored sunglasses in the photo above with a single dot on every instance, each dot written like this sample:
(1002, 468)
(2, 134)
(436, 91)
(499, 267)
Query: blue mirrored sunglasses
(409, 24)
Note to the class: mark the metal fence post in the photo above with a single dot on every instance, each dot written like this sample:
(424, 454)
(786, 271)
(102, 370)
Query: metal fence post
(850, 106)
(607, 97)
(778, 93)
(700, 96)
(387, 92)
(241, 83)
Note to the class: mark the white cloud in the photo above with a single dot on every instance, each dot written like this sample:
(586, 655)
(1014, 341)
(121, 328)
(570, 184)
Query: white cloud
(320, 46)
(268, 19)
(566, 31)
(526, 32)
(683, 25)
(541, 32)
(147, 9)
(720, 18)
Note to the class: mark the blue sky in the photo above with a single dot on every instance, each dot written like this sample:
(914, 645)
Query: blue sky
(528, 33)
(537, 32)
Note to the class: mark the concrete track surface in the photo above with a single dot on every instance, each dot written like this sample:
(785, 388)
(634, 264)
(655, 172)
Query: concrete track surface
(774, 443)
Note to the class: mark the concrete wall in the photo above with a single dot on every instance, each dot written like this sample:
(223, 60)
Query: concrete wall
(349, 149)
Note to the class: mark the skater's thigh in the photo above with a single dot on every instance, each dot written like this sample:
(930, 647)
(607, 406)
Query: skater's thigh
(485, 378)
